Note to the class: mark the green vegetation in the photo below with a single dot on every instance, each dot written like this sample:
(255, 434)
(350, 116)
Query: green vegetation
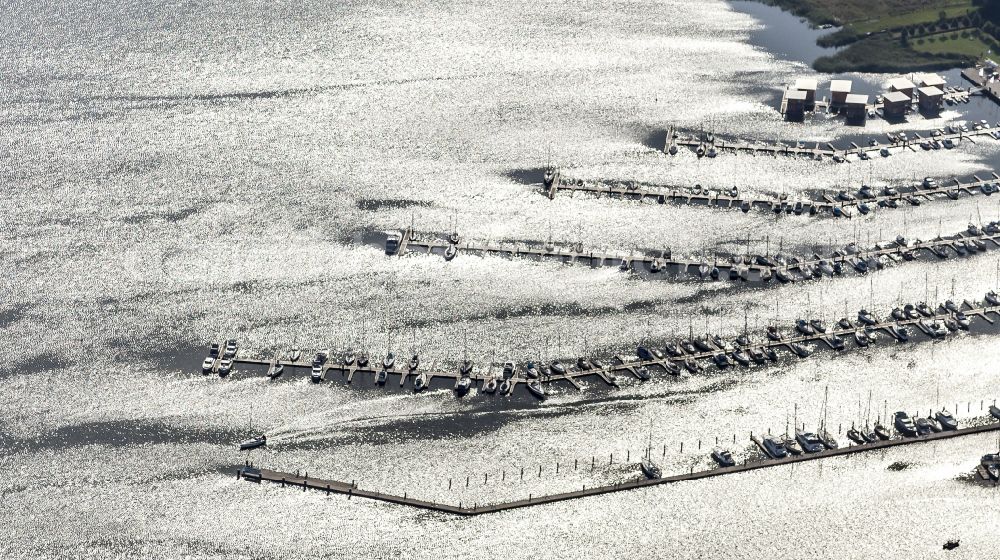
(914, 18)
(901, 35)
(970, 45)
(840, 12)
(880, 53)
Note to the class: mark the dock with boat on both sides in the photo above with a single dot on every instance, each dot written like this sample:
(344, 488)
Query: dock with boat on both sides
(833, 337)
(256, 474)
(707, 145)
(911, 195)
(746, 267)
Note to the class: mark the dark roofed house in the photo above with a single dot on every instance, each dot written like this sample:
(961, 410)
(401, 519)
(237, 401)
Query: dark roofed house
(807, 85)
(838, 92)
(856, 108)
(895, 105)
(930, 100)
(795, 104)
(902, 85)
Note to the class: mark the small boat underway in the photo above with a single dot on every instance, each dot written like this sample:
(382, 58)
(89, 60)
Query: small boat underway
(253, 443)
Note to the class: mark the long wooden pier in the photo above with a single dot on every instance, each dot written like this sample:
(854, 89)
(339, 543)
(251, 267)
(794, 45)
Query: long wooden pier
(819, 150)
(253, 474)
(835, 337)
(732, 267)
(911, 195)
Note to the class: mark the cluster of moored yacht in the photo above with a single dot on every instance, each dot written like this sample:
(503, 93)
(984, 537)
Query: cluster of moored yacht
(852, 256)
(803, 441)
(676, 358)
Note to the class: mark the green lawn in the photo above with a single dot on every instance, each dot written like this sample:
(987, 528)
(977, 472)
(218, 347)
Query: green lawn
(969, 46)
(926, 15)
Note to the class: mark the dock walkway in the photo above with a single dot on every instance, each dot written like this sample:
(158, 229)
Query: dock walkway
(828, 205)
(748, 267)
(258, 475)
(629, 366)
(820, 149)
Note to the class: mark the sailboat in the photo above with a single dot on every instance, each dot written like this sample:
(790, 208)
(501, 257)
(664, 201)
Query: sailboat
(254, 442)
(828, 441)
(647, 466)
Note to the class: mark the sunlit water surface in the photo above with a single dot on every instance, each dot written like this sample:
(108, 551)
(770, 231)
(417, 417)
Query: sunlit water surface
(184, 172)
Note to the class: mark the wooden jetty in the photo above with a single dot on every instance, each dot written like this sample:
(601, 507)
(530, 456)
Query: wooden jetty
(629, 366)
(827, 205)
(817, 151)
(720, 267)
(254, 474)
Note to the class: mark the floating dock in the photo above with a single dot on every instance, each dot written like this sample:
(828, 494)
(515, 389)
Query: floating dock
(744, 267)
(258, 475)
(829, 205)
(627, 365)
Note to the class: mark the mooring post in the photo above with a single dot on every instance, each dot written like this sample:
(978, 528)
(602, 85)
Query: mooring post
(503, 476)
(557, 467)
(539, 471)
(612, 460)
(574, 464)
(282, 482)
(327, 489)
(628, 455)
(682, 447)
(522, 473)
(486, 478)
(699, 444)
(449, 484)
(466, 482)
(840, 428)
(593, 461)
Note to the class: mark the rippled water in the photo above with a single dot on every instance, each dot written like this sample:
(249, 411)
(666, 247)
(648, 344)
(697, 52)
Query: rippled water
(185, 172)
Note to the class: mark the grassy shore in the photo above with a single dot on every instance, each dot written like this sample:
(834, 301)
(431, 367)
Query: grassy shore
(897, 35)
